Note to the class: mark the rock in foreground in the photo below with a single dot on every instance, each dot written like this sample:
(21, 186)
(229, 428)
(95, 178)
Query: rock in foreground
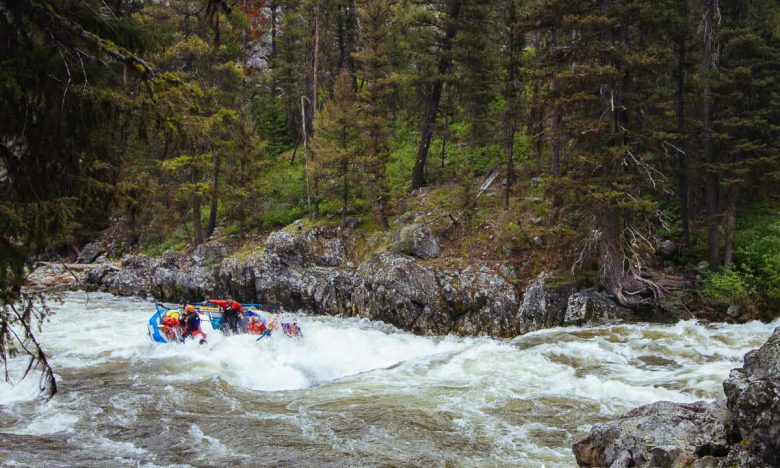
(645, 437)
(753, 394)
(743, 432)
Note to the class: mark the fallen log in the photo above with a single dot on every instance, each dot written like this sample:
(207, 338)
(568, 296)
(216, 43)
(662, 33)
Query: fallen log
(76, 266)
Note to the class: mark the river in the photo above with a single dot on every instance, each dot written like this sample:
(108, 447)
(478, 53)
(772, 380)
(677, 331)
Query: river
(351, 392)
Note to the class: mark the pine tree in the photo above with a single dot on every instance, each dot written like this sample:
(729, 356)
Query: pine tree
(432, 78)
(336, 145)
(373, 62)
(746, 106)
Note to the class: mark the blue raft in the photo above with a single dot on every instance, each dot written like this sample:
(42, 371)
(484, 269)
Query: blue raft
(208, 314)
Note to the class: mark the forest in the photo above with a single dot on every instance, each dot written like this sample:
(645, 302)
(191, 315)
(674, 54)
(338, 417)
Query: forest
(603, 127)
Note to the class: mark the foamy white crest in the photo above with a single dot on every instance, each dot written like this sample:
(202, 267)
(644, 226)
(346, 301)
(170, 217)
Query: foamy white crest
(509, 393)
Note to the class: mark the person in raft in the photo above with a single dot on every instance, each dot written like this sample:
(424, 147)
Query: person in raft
(292, 329)
(171, 325)
(192, 325)
(257, 326)
(232, 313)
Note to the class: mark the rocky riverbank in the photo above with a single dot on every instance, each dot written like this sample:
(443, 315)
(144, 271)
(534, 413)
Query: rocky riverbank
(743, 430)
(308, 269)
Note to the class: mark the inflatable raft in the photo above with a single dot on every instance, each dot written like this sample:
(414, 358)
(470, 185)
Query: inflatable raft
(257, 320)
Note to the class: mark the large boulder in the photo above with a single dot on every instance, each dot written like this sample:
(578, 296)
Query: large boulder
(134, 278)
(89, 253)
(400, 291)
(593, 308)
(187, 285)
(753, 395)
(544, 305)
(285, 248)
(667, 249)
(479, 300)
(324, 246)
(209, 253)
(662, 434)
(418, 241)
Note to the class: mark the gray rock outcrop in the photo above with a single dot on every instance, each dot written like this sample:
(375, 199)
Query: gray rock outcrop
(89, 253)
(594, 308)
(308, 269)
(543, 305)
(743, 431)
(753, 396)
(418, 241)
(644, 437)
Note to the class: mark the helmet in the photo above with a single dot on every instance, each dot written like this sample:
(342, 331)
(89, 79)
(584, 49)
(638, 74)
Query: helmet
(189, 308)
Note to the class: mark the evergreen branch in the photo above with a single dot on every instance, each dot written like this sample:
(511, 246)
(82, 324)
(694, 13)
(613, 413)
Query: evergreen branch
(51, 18)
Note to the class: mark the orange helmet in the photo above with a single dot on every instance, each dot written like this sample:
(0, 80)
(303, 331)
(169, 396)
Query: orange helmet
(189, 308)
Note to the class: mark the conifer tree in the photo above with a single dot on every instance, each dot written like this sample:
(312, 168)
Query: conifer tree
(373, 62)
(432, 78)
(336, 144)
(746, 104)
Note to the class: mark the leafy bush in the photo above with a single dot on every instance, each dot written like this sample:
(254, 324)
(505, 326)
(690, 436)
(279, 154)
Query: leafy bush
(731, 286)
(757, 245)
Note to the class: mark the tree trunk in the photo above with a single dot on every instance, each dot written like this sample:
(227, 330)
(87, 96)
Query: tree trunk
(196, 226)
(611, 257)
(434, 96)
(510, 93)
(555, 126)
(316, 65)
(682, 162)
(306, 168)
(345, 175)
(712, 185)
(535, 123)
(212, 224)
(314, 102)
(241, 210)
(732, 195)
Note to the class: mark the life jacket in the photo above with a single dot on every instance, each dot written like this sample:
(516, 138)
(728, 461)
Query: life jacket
(171, 318)
(256, 326)
(225, 303)
(192, 323)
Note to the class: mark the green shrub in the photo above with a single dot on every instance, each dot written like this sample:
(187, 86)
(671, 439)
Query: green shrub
(757, 245)
(731, 286)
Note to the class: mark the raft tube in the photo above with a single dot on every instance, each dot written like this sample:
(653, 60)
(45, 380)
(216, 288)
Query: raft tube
(208, 313)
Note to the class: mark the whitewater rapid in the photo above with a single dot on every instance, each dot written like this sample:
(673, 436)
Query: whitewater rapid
(351, 392)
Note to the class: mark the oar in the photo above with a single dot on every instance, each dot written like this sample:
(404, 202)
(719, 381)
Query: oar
(265, 333)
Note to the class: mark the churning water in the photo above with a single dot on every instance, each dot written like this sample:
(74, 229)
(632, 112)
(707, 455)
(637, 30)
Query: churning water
(351, 392)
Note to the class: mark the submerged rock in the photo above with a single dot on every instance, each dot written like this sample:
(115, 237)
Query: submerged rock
(662, 434)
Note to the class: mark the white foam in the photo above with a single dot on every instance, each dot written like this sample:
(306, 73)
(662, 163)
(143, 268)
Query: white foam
(477, 382)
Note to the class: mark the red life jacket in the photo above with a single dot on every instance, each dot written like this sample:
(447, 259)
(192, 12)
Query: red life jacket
(256, 327)
(225, 303)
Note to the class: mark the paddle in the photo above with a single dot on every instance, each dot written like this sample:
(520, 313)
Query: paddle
(265, 333)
